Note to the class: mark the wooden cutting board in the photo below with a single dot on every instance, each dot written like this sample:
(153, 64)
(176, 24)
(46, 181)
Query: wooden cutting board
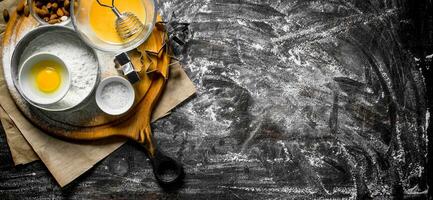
(150, 58)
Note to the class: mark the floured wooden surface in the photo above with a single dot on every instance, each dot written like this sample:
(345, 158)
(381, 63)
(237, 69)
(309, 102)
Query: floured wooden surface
(291, 104)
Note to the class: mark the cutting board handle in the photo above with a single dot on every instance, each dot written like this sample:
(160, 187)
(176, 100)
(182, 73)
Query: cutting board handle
(168, 172)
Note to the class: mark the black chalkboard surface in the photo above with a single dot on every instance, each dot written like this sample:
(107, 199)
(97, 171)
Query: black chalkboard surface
(296, 100)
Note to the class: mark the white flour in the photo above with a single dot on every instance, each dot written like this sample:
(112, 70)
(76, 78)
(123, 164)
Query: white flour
(80, 60)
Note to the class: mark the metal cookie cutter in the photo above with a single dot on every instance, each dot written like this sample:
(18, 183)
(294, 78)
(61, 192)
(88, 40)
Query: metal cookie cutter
(124, 64)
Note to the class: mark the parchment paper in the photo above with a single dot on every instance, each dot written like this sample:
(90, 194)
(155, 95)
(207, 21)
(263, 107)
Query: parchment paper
(20, 149)
(66, 161)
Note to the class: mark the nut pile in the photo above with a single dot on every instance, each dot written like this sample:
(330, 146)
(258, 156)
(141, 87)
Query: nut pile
(52, 11)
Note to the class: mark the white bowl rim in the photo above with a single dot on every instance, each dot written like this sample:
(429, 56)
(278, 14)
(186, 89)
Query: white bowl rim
(107, 109)
(58, 97)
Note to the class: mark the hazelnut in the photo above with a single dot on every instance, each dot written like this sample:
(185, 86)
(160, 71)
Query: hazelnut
(27, 11)
(20, 7)
(6, 16)
(60, 12)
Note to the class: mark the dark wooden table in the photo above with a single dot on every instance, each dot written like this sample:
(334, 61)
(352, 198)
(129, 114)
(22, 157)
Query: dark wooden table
(296, 100)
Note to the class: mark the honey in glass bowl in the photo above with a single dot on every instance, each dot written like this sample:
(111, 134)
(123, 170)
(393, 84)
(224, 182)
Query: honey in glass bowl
(96, 25)
(103, 20)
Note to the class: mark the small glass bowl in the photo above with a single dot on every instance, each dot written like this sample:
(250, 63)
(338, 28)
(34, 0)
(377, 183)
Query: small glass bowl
(42, 21)
(80, 20)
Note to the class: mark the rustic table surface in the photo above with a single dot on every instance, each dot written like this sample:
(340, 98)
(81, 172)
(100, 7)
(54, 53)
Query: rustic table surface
(296, 100)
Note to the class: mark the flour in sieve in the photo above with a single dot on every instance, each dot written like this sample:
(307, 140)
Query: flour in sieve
(81, 61)
(115, 95)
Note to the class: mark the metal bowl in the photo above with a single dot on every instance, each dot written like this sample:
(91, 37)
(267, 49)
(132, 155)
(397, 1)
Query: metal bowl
(83, 78)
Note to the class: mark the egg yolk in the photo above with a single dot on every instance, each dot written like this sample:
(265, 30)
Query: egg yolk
(47, 76)
(48, 80)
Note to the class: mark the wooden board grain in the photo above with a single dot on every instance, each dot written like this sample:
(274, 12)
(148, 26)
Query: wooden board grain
(135, 124)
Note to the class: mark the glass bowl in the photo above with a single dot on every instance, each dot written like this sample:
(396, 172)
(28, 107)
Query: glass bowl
(81, 22)
(42, 21)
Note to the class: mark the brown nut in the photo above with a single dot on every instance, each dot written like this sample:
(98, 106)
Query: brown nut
(65, 11)
(46, 11)
(53, 21)
(39, 12)
(20, 7)
(55, 6)
(27, 11)
(53, 16)
(60, 12)
(42, 12)
(6, 16)
(66, 3)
